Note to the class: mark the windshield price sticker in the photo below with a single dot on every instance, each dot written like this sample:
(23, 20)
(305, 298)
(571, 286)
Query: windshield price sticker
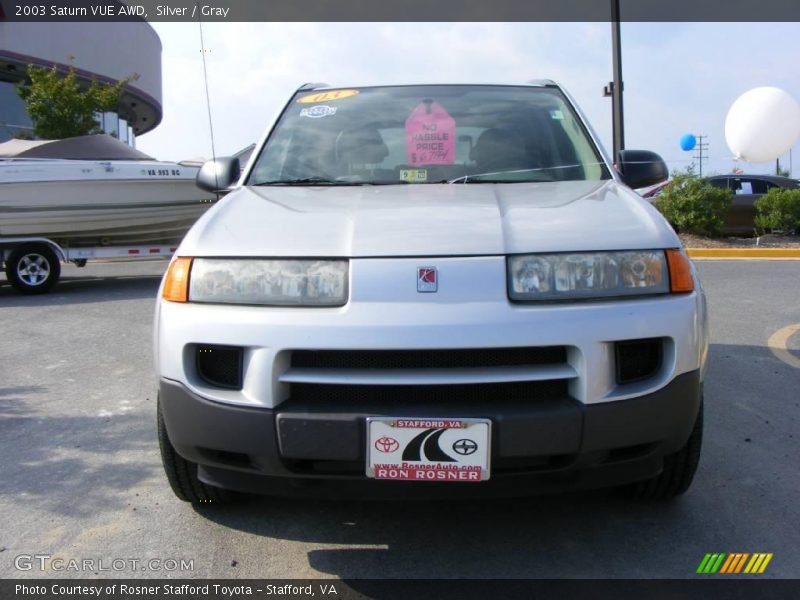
(440, 450)
(430, 135)
(327, 96)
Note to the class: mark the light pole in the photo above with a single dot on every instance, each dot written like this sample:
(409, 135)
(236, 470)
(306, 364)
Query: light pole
(614, 88)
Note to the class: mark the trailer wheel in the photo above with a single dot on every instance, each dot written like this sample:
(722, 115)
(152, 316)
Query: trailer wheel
(33, 269)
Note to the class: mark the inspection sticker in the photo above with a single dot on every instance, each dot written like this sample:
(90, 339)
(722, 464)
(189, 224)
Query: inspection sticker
(414, 175)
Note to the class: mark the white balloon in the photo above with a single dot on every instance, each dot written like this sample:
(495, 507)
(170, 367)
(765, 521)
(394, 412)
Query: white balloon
(762, 124)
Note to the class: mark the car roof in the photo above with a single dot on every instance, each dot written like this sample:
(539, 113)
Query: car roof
(778, 179)
(326, 86)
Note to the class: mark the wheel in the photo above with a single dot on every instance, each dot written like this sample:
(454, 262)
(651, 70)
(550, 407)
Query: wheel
(182, 474)
(33, 269)
(679, 470)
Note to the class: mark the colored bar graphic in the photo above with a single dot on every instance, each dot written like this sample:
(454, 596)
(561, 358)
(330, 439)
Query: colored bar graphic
(765, 563)
(717, 564)
(741, 562)
(703, 564)
(711, 563)
(732, 558)
(758, 562)
(727, 564)
(749, 566)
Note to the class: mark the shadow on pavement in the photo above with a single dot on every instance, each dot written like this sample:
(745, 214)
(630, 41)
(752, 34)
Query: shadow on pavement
(12, 401)
(71, 465)
(497, 538)
(84, 290)
(747, 468)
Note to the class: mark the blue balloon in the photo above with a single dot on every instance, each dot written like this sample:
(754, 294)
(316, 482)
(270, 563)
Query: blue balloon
(688, 142)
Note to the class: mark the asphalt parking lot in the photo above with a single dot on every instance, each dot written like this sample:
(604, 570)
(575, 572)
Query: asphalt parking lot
(81, 475)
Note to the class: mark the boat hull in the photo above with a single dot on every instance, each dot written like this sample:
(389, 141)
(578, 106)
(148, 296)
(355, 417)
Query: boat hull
(100, 203)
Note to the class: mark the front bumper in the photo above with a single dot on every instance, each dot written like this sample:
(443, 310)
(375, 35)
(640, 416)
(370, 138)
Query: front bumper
(471, 312)
(555, 444)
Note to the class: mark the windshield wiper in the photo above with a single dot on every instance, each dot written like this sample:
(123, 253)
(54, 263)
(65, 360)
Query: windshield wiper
(311, 181)
(469, 179)
(480, 177)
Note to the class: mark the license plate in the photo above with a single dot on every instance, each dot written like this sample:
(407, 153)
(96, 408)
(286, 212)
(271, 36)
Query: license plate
(424, 449)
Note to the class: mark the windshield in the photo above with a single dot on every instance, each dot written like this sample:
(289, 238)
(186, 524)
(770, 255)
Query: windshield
(428, 135)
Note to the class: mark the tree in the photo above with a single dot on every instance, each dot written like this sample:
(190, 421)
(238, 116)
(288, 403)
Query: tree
(778, 209)
(22, 134)
(693, 205)
(59, 108)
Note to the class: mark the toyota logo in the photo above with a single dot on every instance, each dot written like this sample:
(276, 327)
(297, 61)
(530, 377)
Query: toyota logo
(386, 444)
(465, 447)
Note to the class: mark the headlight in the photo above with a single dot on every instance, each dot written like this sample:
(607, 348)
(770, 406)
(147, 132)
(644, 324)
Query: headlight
(270, 282)
(587, 275)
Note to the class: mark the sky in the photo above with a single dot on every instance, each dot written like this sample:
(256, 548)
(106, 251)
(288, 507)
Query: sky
(678, 77)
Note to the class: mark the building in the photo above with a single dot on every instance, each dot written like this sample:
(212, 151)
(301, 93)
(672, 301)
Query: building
(106, 52)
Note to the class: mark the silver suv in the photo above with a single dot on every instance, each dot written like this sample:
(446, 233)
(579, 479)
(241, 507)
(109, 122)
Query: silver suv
(430, 288)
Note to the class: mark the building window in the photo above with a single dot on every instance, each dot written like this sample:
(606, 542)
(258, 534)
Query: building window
(111, 124)
(123, 130)
(14, 119)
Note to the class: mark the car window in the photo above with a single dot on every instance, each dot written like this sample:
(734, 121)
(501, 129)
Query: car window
(759, 186)
(428, 134)
(719, 183)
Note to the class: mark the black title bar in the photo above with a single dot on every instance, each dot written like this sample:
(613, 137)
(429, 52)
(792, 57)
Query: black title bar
(398, 10)
(748, 588)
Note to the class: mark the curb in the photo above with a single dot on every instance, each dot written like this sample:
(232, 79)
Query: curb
(745, 253)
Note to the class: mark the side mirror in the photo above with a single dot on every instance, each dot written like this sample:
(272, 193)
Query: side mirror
(640, 168)
(218, 175)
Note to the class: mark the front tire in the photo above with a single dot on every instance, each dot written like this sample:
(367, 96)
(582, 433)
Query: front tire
(182, 474)
(679, 469)
(33, 269)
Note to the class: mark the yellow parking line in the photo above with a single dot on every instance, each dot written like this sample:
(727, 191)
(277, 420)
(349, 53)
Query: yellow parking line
(745, 253)
(739, 258)
(777, 343)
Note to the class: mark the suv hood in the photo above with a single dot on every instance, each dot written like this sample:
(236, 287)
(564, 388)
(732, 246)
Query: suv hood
(428, 220)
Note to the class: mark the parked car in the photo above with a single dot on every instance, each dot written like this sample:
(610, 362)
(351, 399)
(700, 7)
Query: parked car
(425, 289)
(651, 192)
(747, 189)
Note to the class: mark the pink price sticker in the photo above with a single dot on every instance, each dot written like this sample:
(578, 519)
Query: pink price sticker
(430, 135)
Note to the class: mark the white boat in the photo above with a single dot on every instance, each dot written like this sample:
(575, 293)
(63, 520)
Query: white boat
(95, 191)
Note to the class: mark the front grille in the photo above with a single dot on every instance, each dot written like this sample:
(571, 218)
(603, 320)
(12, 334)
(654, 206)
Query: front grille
(219, 366)
(428, 359)
(399, 397)
(638, 359)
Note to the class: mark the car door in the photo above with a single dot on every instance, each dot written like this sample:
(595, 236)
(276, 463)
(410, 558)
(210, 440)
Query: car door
(746, 190)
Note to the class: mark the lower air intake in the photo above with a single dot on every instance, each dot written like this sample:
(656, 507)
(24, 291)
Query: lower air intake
(220, 366)
(638, 359)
